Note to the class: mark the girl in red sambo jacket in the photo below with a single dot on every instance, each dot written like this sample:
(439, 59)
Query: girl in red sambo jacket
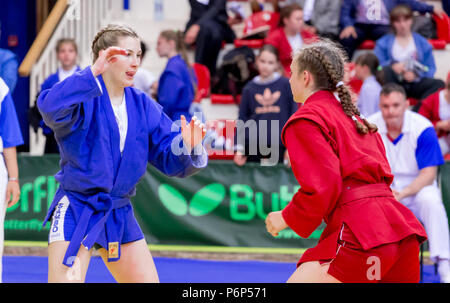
(339, 160)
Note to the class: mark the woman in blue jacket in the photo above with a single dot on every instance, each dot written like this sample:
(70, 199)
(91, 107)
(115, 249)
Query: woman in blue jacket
(407, 57)
(177, 84)
(107, 133)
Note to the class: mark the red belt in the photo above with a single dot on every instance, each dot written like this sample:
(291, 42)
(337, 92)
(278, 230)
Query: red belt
(357, 192)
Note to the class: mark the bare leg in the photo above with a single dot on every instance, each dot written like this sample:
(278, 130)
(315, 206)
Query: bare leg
(135, 265)
(312, 272)
(58, 272)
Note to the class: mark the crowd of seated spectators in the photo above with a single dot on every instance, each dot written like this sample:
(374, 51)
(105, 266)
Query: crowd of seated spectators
(400, 55)
(401, 66)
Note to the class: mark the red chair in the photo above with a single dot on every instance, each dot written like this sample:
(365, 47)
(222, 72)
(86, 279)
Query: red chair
(204, 81)
(437, 43)
(258, 22)
(225, 99)
(367, 44)
(443, 27)
(253, 43)
(412, 101)
(442, 31)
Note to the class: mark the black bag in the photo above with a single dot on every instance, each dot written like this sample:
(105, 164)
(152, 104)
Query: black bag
(236, 70)
(425, 26)
(34, 116)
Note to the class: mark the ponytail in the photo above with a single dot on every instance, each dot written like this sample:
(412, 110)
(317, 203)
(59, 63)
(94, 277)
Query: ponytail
(181, 46)
(325, 61)
(178, 38)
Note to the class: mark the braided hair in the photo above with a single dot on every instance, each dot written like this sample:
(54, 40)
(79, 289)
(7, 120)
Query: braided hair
(108, 36)
(325, 61)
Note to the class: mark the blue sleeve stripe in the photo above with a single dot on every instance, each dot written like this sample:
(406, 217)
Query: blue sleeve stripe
(428, 151)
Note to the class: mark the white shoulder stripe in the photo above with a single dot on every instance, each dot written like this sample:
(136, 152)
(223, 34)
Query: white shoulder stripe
(417, 123)
(4, 90)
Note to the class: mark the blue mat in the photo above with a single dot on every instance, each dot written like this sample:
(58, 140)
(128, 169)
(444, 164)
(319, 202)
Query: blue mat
(34, 270)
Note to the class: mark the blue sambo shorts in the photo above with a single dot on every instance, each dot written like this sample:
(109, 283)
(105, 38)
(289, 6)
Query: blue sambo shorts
(63, 224)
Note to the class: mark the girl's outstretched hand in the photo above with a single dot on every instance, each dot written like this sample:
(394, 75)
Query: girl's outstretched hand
(106, 58)
(193, 133)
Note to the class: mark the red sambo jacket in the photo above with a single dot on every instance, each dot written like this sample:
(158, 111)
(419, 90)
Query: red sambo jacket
(344, 178)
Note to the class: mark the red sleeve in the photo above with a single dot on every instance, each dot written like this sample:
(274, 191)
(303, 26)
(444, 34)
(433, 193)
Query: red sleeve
(427, 108)
(273, 39)
(309, 37)
(316, 168)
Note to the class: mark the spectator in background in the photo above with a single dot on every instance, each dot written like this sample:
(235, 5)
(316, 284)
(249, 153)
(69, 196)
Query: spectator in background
(257, 6)
(407, 57)
(413, 152)
(8, 67)
(290, 36)
(10, 137)
(144, 79)
(446, 6)
(361, 19)
(177, 85)
(321, 17)
(366, 68)
(207, 28)
(437, 109)
(267, 98)
(67, 54)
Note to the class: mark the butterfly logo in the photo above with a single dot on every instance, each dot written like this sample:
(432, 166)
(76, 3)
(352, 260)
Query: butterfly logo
(203, 202)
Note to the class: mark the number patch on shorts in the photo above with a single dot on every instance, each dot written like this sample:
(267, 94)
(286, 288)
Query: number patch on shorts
(113, 250)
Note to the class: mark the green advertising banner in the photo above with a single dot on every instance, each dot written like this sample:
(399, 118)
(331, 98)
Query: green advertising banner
(38, 186)
(223, 205)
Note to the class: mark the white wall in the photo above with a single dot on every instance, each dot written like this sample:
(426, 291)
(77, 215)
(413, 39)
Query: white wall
(172, 9)
(141, 17)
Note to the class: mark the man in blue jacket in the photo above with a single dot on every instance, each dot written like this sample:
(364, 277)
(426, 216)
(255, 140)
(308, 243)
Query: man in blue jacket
(361, 19)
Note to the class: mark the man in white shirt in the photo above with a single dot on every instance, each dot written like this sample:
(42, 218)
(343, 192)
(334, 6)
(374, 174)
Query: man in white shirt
(414, 155)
